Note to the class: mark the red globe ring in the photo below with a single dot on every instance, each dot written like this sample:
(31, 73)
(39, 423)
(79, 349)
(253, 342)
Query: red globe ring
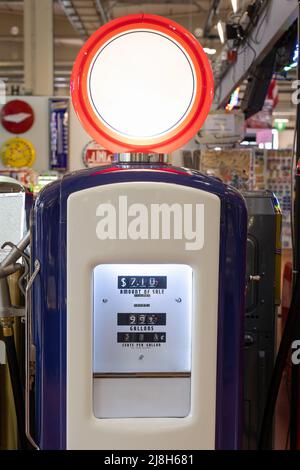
(194, 120)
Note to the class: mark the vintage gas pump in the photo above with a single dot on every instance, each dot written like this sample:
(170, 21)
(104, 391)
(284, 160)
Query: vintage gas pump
(138, 268)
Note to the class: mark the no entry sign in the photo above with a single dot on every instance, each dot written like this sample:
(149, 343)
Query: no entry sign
(17, 116)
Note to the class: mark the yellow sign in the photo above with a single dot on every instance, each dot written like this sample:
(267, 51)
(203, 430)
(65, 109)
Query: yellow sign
(18, 153)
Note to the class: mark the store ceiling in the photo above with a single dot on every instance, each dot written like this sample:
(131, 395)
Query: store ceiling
(75, 20)
(88, 15)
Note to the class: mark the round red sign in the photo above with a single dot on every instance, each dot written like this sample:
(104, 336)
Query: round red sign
(142, 83)
(17, 116)
(95, 155)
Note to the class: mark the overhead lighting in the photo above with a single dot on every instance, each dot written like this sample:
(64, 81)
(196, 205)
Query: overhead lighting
(234, 100)
(221, 31)
(296, 53)
(234, 4)
(198, 32)
(283, 120)
(284, 113)
(218, 149)
(209, 51)
(14, 30)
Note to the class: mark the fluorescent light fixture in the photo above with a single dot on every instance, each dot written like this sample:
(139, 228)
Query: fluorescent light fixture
(234, 100)
(294, 63)
(283, 120)
(221, 31)
(209, 51)
(234, 4)
(296, 54)
(284, 113)
(218, 149)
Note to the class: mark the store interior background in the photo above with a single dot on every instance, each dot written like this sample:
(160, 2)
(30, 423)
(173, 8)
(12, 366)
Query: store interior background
(39, 41)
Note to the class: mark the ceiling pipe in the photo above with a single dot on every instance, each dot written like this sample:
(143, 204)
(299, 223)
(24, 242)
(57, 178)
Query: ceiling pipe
(71, 41)
(72, 15)
(105, 16)
(213, 9)
(19, 73)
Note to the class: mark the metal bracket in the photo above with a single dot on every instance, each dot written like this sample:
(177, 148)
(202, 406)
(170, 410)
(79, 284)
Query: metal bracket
(16, 267)
(26, 260)
(254, 278)
(12, 312)
(27, 353)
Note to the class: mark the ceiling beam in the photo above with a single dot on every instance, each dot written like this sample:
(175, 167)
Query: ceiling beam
(74, 18)
(212, 11)
(105, 16)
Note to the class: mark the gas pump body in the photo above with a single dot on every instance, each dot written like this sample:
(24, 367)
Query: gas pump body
(92, 390)
(138, 303)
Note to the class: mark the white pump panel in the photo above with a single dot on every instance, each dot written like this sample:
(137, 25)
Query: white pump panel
(178, 411)
(142, 330)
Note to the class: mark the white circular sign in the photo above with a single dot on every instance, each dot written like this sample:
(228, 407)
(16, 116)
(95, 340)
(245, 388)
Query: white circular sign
(149, 85)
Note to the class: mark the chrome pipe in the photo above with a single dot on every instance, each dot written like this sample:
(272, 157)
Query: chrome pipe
(160, 158)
